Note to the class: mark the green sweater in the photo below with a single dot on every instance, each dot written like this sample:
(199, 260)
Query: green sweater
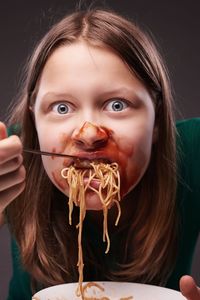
(188, 199)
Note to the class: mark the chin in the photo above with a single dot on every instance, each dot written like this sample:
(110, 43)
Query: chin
(93, 202)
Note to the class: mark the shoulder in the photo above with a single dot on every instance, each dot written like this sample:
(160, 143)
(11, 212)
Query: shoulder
(188, 137)
(188, 152)
(188, 127)
(188, 159)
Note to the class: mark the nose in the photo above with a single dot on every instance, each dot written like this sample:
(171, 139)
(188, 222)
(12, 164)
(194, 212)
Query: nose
(90, 136)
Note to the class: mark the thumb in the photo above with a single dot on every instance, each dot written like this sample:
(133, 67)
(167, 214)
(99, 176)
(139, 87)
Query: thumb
(3, 131)
(189, 288)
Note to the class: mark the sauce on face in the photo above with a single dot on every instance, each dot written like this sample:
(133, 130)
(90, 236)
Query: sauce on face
(109, 150)
(53, 151)
(88, 131)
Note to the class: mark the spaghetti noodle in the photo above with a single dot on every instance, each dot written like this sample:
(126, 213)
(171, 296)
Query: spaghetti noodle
(79, 181)
(97, 285)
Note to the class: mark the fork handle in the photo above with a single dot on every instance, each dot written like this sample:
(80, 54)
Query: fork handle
(48, 153)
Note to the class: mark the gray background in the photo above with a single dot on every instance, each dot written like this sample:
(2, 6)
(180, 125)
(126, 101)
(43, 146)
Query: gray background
(174, 24)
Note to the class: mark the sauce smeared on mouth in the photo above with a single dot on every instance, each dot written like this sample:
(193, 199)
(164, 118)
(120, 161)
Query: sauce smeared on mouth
(86, 163)
(114, 150)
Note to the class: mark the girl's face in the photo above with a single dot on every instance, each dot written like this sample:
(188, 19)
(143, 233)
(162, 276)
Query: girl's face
(89, 104)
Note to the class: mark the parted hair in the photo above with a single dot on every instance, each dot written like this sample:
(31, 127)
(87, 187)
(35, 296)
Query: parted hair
(38, 218)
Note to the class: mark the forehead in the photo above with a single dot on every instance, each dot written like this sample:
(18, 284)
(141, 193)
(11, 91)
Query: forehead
(82, 70)
(79, 56)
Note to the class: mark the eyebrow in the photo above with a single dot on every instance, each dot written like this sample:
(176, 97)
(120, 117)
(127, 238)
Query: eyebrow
(54, 94)
(124, 91)
(121, 90)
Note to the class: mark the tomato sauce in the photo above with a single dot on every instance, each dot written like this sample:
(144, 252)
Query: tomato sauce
(110, 151)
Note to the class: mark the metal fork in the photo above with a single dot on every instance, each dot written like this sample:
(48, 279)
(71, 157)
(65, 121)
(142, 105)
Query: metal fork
(16, 130)
(38, 152)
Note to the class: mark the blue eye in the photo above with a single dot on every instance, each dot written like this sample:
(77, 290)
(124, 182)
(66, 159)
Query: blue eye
(116, 105)
(61, 108)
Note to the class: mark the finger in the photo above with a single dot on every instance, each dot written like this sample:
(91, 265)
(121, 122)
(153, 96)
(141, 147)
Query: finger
(7, 196)
(11, 165)
(189, 288)
(3, 131)
(10, 148)
(12, 179)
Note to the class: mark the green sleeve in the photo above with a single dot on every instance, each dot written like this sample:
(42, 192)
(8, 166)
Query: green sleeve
(188, 143)
(19, 288)
(188, 196)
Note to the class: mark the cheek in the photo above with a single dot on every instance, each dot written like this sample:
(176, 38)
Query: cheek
(133, 161)
(52, 134)
(55, 143)
(59, 181)
(53, 167)
(132, 171)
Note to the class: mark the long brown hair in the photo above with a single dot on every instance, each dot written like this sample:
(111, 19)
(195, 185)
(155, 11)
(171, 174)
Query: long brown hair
(38, 218)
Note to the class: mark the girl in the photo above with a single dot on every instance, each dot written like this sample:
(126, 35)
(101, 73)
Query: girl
(96, 87)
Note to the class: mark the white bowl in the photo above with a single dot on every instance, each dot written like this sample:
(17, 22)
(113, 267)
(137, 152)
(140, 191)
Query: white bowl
(112, 290)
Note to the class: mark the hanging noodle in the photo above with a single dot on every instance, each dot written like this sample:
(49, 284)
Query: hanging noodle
(97, 285)
(109, 193)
